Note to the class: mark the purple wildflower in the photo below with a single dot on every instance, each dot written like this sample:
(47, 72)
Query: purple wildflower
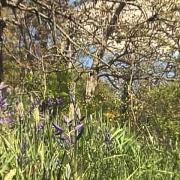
(6, 120)
(46, 104)
(58, 101)
(50, 102)
(62, 137)
(79, 128)
(58, 129)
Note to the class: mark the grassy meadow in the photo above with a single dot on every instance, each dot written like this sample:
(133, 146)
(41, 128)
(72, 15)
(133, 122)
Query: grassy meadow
(40, 142)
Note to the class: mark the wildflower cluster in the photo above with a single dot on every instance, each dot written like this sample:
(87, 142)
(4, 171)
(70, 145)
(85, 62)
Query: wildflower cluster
(72, 135)
(51, 104)
(67, 136)
(48, 104)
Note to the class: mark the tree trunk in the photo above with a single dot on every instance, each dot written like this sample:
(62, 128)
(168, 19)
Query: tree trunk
(92, 79)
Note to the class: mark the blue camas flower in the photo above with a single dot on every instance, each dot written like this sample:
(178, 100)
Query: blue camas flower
(63, 138)
(79, 128)
(51, 104)
(58, 101)
(58, 129)
(73, 135)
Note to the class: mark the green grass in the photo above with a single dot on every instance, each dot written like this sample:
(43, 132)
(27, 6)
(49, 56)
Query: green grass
(28, 154)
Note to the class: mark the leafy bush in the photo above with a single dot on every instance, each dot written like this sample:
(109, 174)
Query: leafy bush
(161, 114)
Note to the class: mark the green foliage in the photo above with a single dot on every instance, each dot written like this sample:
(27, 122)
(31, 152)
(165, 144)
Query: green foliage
(161, 111)
(45, 49)
(105, 99)
(104, 152)
(106, 96)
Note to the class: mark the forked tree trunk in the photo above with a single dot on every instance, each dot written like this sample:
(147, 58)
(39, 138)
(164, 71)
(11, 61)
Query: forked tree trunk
(92, 79)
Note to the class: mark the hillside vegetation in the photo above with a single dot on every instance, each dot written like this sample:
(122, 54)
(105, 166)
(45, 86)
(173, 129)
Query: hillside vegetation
(89, 90)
